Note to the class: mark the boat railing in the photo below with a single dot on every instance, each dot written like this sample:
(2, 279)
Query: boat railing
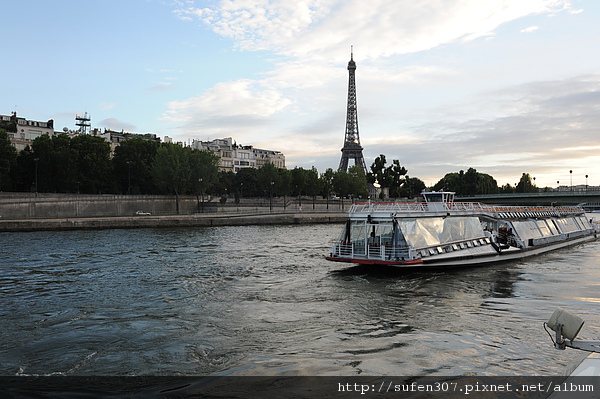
(380, 252)
(501, 211)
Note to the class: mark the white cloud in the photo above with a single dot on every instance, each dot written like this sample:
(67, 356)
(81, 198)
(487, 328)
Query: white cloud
(115, 124)
(378, 28)
(299, 106)
(159, 87)
(530, 29)
(108, 106)
(228, 108)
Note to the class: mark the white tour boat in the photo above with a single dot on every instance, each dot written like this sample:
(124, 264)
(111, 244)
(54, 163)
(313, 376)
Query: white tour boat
(440, 232)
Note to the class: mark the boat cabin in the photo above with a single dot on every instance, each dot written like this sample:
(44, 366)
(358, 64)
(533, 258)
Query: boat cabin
(438, 200)
(438, 196)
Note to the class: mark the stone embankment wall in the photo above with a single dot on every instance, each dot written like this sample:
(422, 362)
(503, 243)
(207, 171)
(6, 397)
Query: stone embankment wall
(26, 205)
(28, 212)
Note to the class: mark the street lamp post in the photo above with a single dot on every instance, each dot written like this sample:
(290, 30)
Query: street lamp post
(271, 197)
(586, 183)
(202, 193)
(128, 177)
(571, 172)
(36, 176)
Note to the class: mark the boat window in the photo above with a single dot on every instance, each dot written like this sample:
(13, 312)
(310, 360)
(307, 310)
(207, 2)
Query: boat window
(584, 221)
(434, 197)
(381, 234)
(566, 225)
(552, 227)
(527, 229)
(543, 226)
(429, 232)
(358, 233)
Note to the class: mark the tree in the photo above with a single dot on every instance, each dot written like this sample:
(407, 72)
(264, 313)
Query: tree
(8, 161)
(24, 174)
(132, 166)
(285, 182)
(396, 174)
(224, 184)
(358, 182)
(246, 182)
(326, 184)
(342, 183)
(487, 184)
(378, 172)
(391, 177)
(42, 163)
(411, 188)
(171, 169)
(203, 170)
(93, 164)
(525, 185)
(469, 183)
(268, 179)
(299, 181)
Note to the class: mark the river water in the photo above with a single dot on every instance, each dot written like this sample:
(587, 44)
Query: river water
(261, 300)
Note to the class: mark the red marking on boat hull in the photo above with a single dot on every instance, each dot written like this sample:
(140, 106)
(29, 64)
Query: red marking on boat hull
(374, 261)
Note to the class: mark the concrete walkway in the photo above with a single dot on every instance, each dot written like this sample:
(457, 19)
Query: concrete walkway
(200, 220)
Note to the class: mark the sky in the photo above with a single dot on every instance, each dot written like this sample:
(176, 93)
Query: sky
(503, 86)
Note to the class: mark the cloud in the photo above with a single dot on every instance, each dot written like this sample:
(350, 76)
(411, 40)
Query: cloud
(546, 125)
(227, 108)
(160, 87)
(108, 106)
(530, 29)
(379, 28)
(115, 124)
(298, 106)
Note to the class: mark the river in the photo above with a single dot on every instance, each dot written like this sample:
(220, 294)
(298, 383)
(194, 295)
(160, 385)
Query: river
(262, 300)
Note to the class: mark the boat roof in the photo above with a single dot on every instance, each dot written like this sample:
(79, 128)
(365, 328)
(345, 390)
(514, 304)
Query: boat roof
(425, 209)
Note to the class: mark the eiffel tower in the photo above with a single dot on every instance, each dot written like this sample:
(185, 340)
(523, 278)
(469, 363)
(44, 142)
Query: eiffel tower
(352, 148)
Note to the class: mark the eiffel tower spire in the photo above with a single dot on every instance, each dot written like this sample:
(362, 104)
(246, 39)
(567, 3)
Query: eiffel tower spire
(352, 148)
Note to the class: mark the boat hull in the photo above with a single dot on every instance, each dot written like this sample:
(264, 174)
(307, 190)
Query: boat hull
(459, 260)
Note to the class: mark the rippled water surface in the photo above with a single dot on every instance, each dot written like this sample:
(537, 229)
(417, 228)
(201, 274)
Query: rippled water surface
(261, 300)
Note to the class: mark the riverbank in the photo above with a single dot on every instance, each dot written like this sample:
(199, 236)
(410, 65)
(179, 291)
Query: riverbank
(193, 220)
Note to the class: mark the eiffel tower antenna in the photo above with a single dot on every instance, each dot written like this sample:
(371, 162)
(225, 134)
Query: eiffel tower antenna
(352, 148)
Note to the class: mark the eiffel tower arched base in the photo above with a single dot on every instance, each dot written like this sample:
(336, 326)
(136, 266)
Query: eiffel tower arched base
(356, 155)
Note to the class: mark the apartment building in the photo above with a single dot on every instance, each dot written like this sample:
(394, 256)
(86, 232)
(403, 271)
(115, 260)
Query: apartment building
(22, 132)
(234, 157)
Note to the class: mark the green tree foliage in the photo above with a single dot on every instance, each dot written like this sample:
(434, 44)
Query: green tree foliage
(65, 165)
(326, 185)
(246, 183)
(132, 165)
(204, 170)
(525, 185)
(391, 177)
(469, 183)
(411, 188)
(8, 161)
(93, 164)
(269, 180)
(285, 182)
(182, 170)
(83, 164)
(225, 183)
(350, 184)
(24, 173)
